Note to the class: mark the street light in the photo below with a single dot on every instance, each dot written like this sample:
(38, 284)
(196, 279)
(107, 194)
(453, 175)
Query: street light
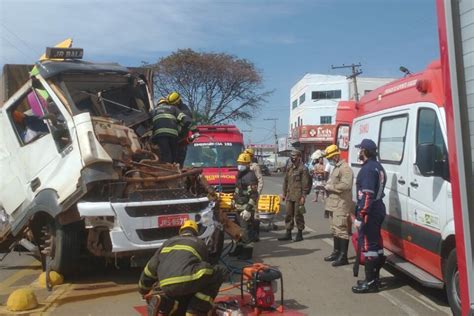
(276, 136)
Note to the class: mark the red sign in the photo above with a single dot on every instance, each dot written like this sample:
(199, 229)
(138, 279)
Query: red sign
(172, 220)
(314, 133)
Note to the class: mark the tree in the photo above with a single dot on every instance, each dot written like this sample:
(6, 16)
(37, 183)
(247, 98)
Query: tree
(216, 86)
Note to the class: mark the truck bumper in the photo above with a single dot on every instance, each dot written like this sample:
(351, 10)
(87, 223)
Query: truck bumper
(135, 226)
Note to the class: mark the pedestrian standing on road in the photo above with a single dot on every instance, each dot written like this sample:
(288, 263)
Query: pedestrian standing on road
(245, 202)
(319, 177)
(174, 98)
(296, 185)
(370, 215)
(339, 205)
(167, 121)
(179, 279)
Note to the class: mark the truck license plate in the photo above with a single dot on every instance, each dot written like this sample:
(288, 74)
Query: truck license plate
(172, 220)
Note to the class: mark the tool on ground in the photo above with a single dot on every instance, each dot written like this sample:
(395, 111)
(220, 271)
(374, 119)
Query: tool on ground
(260, 280)
(268, 207)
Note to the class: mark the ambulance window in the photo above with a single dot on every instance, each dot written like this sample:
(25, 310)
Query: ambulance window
(393, 131)
(429, 132)
(343, 133)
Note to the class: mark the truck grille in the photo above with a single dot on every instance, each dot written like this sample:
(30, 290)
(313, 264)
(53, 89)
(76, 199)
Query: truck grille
(154, 234)
(155, 210)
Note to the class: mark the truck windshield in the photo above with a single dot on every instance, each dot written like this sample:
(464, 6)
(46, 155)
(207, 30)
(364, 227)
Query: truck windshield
(202, 155)
(122, 97)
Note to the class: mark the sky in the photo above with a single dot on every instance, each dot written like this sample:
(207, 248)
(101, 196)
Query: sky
(285, 39)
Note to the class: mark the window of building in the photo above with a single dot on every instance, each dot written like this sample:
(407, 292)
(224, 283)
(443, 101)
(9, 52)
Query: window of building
(323, 95)
(294, 104)
(393, 132)
(326, 119)
(302, 98)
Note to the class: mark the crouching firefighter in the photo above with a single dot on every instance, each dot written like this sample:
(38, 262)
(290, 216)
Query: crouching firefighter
(178, 280)
(245, 202)
(370, 215)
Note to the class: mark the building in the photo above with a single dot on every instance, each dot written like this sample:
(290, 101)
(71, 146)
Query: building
(313, 105)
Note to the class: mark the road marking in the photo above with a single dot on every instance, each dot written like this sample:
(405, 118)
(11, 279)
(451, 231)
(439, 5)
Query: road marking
(395, 301)
(418, 300)
(443, 309)
(29, 270)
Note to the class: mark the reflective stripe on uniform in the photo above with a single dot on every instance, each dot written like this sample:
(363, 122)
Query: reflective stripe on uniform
(164, 130)
(181, 116)
(185, 278)
(164, 116)
(148, 273)
(143, 286)
(204, 297)
(181, 247)
(371, 254)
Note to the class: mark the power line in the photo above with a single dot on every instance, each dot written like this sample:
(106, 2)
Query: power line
(18, 37)
(19, 50)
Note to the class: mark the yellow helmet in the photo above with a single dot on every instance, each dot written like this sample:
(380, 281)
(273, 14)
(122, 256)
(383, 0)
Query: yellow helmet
(244, 158)
(189, 224)
(249, 151)
(331, 151)
(161, 101)
(173, 98)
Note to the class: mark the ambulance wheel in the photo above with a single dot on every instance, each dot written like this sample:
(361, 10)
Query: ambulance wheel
(452, 283)
(59, 245)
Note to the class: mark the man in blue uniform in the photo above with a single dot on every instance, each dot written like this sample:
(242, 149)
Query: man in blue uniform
(370, 215)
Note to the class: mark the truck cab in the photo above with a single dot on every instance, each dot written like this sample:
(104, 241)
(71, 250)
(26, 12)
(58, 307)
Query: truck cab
(216, 151)
(78, 170)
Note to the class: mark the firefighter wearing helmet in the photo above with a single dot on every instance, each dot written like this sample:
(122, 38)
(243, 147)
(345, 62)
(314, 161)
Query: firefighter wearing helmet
(245, 202)
(174, 98)
(339, 205)
(178, 279)
(370, 214)
(258, 173)
(296, 185)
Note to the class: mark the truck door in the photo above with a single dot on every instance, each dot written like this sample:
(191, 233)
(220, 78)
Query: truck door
(41, 137)
(428, 190)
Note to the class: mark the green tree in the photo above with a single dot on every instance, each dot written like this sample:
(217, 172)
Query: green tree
(217, 87)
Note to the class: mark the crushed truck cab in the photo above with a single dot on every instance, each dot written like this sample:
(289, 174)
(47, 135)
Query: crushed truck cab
(79, 173)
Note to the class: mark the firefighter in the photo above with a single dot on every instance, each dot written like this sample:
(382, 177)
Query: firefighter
(175, 99)
(258, 172)
(178, 278)
(245, 202)
(296, 185)
(370, 214)
(339, 205)
(167, 121)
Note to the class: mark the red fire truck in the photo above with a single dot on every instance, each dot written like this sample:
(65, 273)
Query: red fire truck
(216, 151)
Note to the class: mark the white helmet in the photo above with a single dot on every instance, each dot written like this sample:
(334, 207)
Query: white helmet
(317, 154)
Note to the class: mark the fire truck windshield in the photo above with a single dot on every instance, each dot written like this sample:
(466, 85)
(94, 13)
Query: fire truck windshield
(209, 155)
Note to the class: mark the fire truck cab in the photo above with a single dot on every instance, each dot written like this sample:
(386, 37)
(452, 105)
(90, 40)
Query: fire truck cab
(216, 152)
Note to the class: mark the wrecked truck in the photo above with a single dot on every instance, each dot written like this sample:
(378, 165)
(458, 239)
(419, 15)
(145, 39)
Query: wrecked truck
(78, 171)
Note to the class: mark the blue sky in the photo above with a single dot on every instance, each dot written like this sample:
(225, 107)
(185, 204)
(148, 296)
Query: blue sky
(284, 38)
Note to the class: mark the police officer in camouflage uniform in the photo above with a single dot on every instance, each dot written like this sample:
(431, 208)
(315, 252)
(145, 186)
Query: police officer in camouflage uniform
(295, 187)
(339, 205)
(245, 202)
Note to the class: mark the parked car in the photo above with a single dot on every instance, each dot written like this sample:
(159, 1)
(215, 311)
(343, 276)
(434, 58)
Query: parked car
(265, 170)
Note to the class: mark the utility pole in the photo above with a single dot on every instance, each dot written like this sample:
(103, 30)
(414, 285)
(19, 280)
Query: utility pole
(355, 72)
(276, 136)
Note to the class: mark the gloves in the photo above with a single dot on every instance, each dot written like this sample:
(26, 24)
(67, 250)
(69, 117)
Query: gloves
(195, 135)
(246, 215)
(357, 223)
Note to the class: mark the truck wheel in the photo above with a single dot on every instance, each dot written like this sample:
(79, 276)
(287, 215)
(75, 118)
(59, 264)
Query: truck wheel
(452, 283)
(60, 246)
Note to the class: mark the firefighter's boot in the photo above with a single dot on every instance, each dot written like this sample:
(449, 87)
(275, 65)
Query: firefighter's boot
(286, 237)
(237, 251)
(299, 236)
(247, 253)
(370, 284)
(342, 257)
(335, 252)
(161, 304)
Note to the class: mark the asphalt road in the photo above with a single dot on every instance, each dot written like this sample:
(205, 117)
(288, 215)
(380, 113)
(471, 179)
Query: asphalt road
(311, 286)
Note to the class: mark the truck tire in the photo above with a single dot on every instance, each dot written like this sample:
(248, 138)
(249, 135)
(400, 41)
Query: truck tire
(60, 246)
(451, 277)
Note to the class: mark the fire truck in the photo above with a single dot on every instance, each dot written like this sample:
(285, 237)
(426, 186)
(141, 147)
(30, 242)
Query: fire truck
(216, 152)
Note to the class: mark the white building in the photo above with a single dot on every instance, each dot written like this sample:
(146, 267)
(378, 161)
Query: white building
(313, 105)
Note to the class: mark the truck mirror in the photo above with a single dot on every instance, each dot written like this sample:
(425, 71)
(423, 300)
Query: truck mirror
(425, 159)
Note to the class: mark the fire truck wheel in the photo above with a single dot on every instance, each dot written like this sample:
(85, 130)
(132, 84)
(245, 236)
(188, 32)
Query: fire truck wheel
(452, 283)
(59, 245)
